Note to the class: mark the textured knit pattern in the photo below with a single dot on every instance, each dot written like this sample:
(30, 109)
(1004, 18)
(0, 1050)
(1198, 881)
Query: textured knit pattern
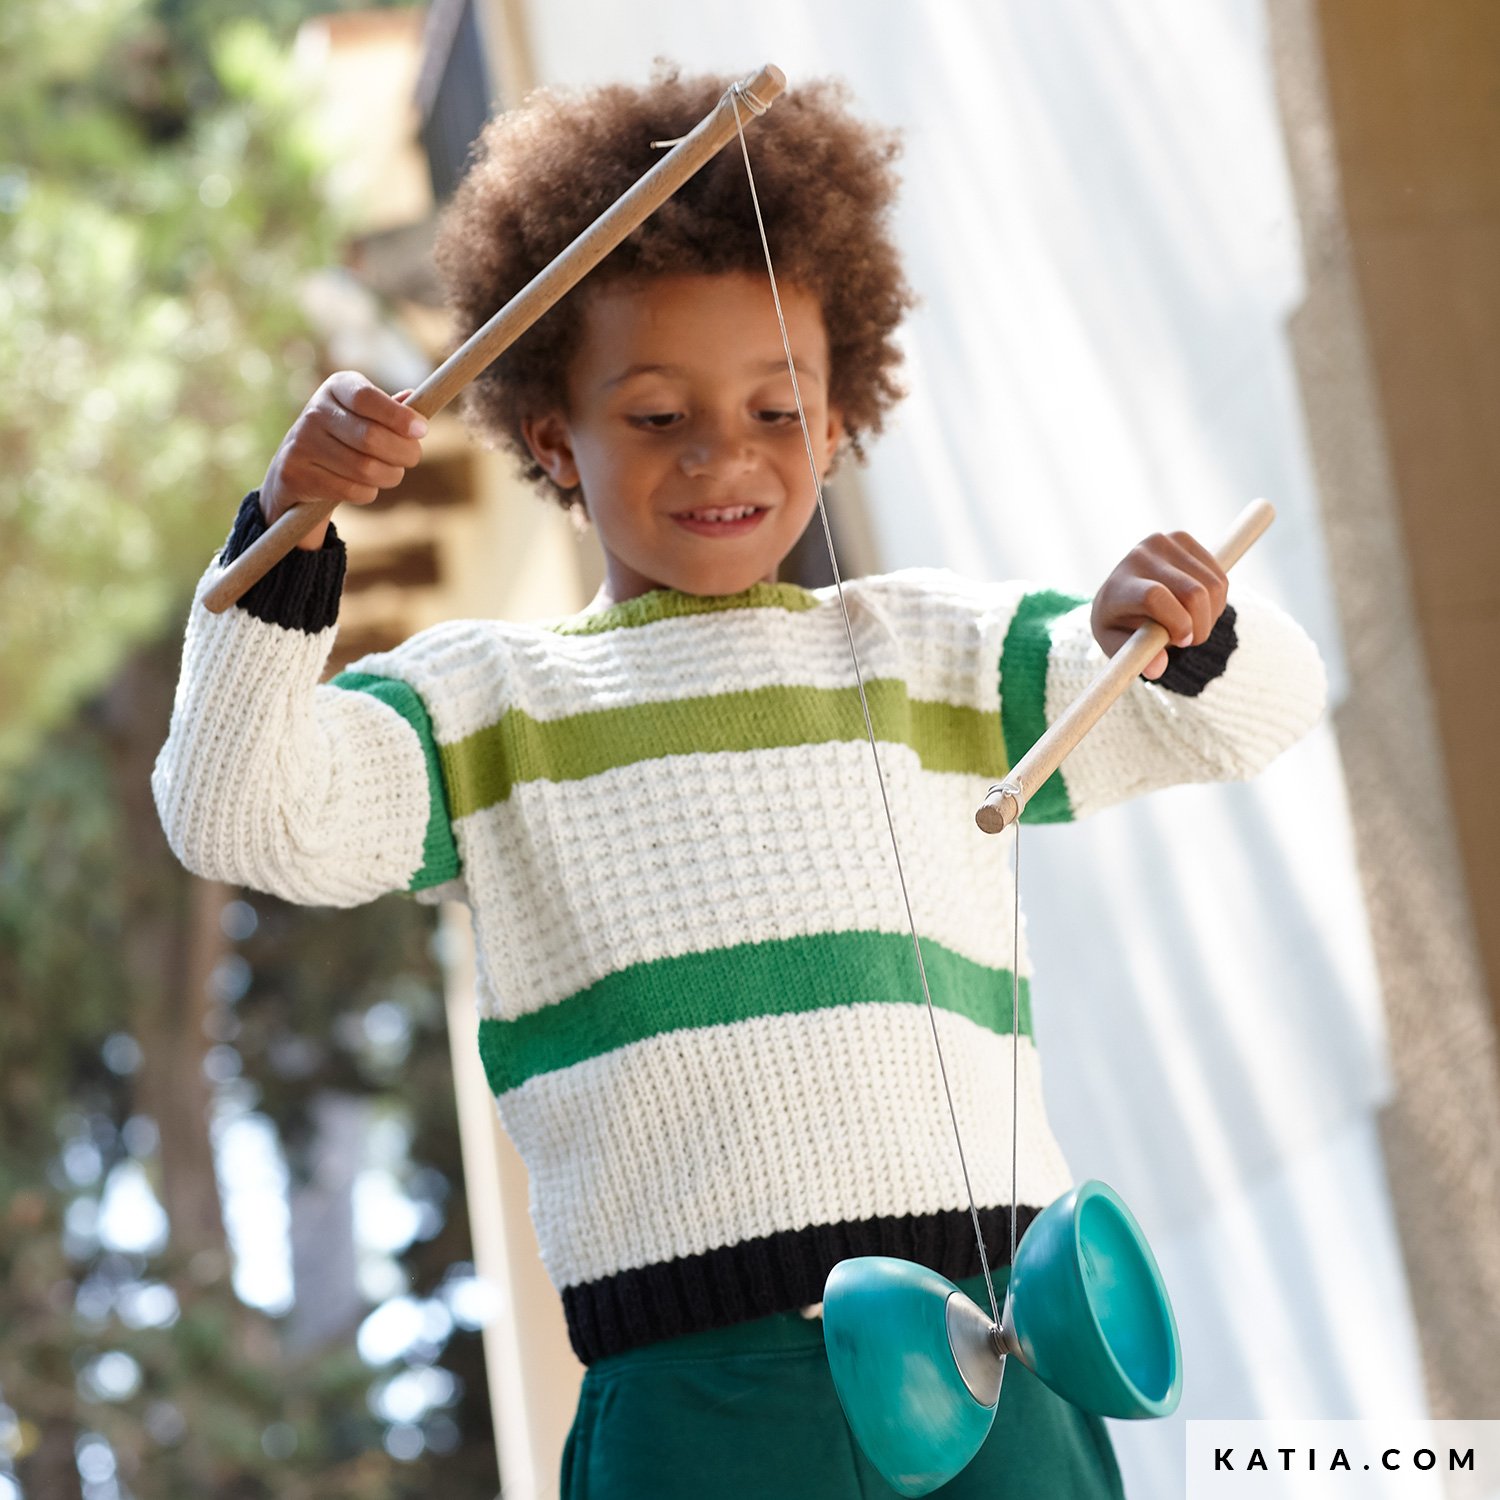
(699, 1006)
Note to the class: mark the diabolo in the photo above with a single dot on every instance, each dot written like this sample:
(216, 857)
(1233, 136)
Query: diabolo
(917, 1363)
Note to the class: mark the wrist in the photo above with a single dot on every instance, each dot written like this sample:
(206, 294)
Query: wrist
(272, 508)
(1190, 669)
(302, 591)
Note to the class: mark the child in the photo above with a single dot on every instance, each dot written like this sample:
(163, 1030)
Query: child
(700, 1010)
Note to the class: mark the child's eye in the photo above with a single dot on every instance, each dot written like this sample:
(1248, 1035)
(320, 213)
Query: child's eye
(654, 421)
(777, 418)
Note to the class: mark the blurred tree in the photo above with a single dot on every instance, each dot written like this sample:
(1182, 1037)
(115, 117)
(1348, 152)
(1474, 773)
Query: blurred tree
(159, 205)
(140, 1347)
(148, 320)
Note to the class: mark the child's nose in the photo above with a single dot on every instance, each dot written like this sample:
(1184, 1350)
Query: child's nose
(716, 453)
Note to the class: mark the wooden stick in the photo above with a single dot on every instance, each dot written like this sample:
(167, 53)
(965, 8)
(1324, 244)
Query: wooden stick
(547, 287)
(1005, 802)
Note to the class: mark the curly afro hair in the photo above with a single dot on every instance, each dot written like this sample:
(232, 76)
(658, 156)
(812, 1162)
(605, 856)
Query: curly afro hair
(543, 172)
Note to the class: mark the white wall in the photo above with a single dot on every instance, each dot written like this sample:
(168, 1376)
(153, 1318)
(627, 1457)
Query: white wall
(1098, 218)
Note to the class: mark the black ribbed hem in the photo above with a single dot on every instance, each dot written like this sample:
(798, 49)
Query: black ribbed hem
(1190, 669)
(775, 1274)
(302, 591)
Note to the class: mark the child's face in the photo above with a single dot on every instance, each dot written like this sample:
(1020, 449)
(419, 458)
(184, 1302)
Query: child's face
(680, 404)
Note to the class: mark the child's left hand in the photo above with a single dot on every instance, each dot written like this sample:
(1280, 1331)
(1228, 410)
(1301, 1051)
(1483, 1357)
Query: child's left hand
(1170, 578)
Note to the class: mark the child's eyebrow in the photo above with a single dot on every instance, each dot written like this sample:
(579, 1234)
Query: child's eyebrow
(758, 367)
(631, 371)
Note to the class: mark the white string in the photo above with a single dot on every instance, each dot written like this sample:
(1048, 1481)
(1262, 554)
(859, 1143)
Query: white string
(1015, 1030)
(737, 92)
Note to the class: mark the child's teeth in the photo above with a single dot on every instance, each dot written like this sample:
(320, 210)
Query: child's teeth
(723, 515)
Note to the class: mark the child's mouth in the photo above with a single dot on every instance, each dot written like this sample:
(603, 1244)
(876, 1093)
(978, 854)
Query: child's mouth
(724, 520)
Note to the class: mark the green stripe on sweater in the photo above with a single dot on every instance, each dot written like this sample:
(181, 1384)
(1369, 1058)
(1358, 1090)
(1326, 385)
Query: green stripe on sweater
(484, 767)
(1023, 694)
(669, 604)
(739, 983)
(440, 860)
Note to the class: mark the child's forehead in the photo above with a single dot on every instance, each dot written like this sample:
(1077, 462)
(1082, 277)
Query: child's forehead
(671, 326)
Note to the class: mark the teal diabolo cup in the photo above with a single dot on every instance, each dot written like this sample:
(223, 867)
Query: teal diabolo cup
(1088, 1311)
(917, 1363)
(885, 1325)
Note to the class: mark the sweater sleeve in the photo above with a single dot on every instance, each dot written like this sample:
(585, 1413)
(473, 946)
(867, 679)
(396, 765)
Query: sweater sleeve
(322, 794)
(1222, 711)
(1020, 654)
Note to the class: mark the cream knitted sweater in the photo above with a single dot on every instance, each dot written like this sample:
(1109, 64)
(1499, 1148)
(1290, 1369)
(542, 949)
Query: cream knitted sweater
(699, 1007)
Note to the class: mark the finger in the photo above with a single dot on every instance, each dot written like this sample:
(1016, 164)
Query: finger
(1153, 600)
(304, 480)
(369, 402)
(335, 486)
(365, 436)
(362, 467)
(1188, 615)
(1156, 666)
(1196, 560)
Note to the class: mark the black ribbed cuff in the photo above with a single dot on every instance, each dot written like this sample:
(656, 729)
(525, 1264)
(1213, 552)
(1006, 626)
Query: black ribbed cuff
(1190, 669)
(302, 591)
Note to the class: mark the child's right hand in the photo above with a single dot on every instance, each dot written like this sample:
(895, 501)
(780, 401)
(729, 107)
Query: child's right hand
(350, 442)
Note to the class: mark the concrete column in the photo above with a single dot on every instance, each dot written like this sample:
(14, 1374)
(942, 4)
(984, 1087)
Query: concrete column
(1407, 471)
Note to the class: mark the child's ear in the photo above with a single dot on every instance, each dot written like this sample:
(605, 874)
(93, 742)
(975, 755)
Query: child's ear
(551, 446)
(835, 436)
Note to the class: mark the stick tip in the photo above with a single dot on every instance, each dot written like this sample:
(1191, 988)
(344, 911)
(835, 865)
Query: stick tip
(1000, 808)
(766, 84)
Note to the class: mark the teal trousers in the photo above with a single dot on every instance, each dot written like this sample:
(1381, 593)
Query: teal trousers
(751, 1411)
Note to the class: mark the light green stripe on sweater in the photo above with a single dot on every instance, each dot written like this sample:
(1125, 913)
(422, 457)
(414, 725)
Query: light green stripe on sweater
(669, 604)
(483, 768)
(740, 983)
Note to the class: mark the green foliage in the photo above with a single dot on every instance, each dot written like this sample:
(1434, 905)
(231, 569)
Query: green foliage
(59, 911)
(159, 205)
(213, 1404)
(148, 322)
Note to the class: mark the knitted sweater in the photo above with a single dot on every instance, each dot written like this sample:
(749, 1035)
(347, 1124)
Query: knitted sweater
(699, 1008)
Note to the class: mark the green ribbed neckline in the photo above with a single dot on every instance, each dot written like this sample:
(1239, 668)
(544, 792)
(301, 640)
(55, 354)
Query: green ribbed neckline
(671, 604)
